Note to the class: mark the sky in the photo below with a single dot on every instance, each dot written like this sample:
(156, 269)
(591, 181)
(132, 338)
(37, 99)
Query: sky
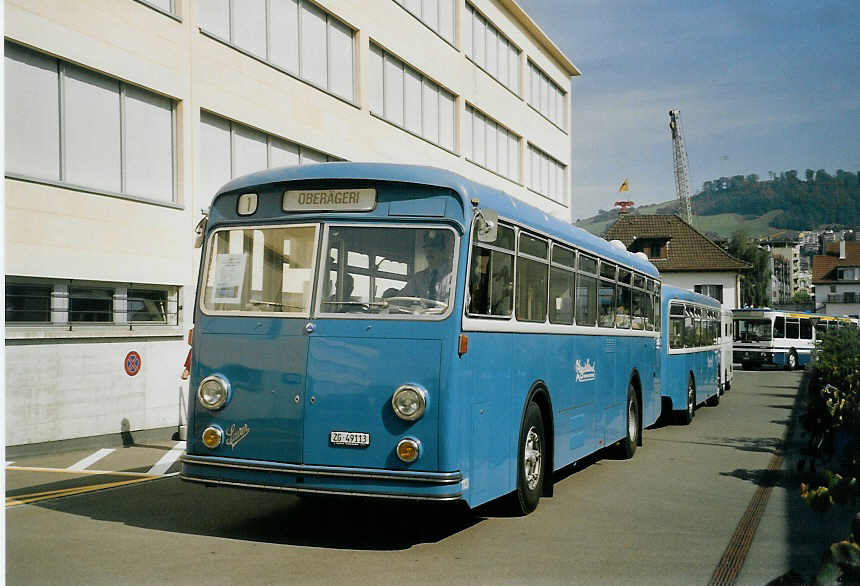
(763, 86)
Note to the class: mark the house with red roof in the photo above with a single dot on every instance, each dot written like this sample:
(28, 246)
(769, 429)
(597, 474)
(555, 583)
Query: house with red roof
(685, 257)
(836, 278)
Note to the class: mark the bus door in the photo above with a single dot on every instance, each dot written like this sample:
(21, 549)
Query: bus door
(252, 332)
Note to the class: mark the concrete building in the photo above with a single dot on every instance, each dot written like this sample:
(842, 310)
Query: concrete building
(836, 276)
(123, 117)
(789, 251)
(685, 257)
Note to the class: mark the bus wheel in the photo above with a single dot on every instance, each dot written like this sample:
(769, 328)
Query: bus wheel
(627, 446)
(530, 461)
(791, 361)
(685, 417)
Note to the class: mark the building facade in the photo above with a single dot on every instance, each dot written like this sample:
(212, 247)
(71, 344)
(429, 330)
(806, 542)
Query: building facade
(836, 276)
(123, 117)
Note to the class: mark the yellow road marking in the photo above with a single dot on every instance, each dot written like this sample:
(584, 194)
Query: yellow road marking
(24, 499)
(91, 472)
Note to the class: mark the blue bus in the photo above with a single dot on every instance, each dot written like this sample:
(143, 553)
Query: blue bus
(690, 372)
(400, 331)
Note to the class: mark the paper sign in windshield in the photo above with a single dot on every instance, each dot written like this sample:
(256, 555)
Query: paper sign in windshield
(229, 278)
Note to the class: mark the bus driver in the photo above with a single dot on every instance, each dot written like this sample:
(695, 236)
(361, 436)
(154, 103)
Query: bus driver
(433, 282)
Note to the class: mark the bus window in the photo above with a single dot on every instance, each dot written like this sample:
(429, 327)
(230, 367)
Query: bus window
(806, 329)
(753, 330)
(779, 327)
(561, 285)
(261, 270)
(532, 279)
(638, 310)
(658, 325)
(379, 270)
(676, 326)
(625, 302)
(792, 328)
(820, 328)
(586, 300)
(691, 330)
(606, 295)
(649, 311)
(491, 276)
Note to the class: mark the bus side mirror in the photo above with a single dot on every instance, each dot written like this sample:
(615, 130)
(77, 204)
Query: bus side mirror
(200, 230)
(486, 225)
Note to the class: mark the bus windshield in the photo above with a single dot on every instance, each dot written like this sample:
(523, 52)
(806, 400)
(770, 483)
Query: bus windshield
(390, 271)
(397, 271)
(753, 330)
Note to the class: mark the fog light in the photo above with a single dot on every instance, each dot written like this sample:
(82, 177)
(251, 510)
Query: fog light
(212, 437)
(408, 449)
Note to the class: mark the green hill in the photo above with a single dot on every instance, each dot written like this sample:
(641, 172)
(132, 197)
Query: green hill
(784, 202)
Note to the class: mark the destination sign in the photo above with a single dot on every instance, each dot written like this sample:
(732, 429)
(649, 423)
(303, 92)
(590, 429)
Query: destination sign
(329, 200)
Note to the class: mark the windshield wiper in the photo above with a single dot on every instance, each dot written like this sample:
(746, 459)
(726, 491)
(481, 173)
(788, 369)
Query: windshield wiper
(267, 303)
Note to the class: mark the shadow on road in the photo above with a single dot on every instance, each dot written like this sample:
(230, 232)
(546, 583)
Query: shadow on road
(178, 507)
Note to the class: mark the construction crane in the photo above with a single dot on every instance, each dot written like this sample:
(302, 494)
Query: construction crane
(679, 159)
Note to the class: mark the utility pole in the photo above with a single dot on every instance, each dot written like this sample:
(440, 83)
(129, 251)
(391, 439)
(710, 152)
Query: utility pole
(679, 159)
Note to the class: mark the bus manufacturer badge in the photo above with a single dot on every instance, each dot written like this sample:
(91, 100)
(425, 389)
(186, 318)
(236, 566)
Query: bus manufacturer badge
(236, 434)
(584, 372)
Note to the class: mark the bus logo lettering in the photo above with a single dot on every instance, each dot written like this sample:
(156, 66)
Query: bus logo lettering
(236, 434)
(584, 372)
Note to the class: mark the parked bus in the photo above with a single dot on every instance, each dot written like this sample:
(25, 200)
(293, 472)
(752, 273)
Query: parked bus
(691, 371)
(400, 331)
(765, 336)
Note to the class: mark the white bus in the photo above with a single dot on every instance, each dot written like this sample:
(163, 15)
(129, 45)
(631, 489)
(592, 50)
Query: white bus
(783, 338)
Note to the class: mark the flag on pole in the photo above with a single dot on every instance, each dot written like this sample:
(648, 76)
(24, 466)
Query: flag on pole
(624, 186)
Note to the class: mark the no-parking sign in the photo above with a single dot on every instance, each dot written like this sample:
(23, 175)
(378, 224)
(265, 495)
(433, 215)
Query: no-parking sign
(132, 363)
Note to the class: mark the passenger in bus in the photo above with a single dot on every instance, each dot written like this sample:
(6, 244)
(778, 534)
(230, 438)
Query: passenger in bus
(433, 282)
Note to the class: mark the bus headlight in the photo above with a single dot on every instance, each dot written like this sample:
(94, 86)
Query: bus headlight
(212, 437)
(409, 402)
(213, 392)
(408, 449)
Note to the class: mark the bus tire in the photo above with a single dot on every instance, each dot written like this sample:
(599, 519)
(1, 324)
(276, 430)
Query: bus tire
(627, 446)
(791, 361)
(685, 417)
(531, 466)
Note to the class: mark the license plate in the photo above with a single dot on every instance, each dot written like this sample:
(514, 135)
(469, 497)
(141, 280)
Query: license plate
(349, 438)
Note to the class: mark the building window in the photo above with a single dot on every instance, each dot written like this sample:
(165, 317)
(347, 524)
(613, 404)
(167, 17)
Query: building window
(90, 304)
(229, 149)
(489, 49)
(293, 35)
(166, 6)
(545, 96)
(28, 303)
(70, 303)
(546, 175)
(491, 145)
(400, 94)
(715, 291)
(72, 125)
(145, 305)
(438, 15)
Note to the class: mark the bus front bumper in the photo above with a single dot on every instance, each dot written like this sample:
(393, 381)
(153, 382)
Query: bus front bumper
(299, 478)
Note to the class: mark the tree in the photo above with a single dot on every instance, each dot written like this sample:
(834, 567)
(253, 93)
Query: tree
(801, 298)
(754, 280)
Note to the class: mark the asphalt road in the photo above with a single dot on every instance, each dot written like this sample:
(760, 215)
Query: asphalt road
(665, 517)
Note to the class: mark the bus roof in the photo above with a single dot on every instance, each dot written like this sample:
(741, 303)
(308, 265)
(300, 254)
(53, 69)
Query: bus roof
(671, 293)
(506, 205)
